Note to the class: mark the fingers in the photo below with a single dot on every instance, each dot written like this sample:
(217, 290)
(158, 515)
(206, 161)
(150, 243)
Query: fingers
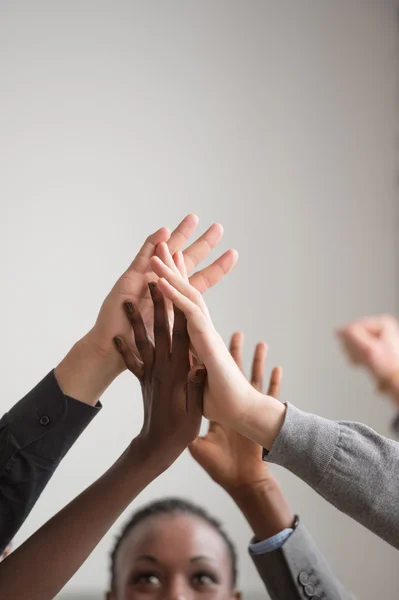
(196, 382)
(161, 327)
(200, 249)
(176, 280)
(205, 340)
(180, 264)
(191, 309)
(211, 275)
(141, 262)
(182, 233)
(275, 382)
(258, 366)
(373, 325)
(165, 256)
(180, 342)
(141, 337)
(236, 344)
(358, 342)
(131, 361)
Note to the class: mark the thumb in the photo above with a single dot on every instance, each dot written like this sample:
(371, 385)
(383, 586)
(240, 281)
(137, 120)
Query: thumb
(195, 446)
(198, 450)
(195, 389)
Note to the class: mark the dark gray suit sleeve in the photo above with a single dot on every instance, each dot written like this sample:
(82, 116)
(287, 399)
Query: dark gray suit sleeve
(299, 571)
(350, 465)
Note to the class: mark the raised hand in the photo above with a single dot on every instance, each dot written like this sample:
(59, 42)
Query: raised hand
(229, 397)
(172, 395)
(172, 392)
(373, 343)
(132, 285)
(235, 462)
(232, 460)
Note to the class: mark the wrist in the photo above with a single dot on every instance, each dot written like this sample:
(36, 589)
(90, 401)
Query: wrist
(141, 461)
(264, 506)
(262, 419)
(85, 373)
(265, 483)
(157, 459)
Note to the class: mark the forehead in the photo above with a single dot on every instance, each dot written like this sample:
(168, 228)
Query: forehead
(173, 540)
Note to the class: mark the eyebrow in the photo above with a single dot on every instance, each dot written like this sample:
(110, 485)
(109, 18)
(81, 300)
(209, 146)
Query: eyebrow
(147, 557)
(152, 559)
(198, 558)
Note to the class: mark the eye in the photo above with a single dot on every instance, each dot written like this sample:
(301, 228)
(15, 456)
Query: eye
(149, 579)
(203, 579)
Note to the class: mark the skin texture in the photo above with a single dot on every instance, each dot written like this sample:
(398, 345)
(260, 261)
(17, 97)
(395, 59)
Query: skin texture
(93, 362)
(235, 462)
(373, 343)
(172, 416)
(229, 398)
(132, 286)
(163, 369)
(173, 569)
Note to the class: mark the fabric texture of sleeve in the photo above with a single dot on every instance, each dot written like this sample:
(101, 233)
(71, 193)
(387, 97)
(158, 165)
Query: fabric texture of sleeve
(273, 543)
(34, 437)
(298, 570)
(350, 465)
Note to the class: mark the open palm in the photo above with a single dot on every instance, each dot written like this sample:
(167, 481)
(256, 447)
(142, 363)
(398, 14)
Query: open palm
(232, 460)
(133, 284)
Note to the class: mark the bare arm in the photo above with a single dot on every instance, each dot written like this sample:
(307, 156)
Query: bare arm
(172, 397)
(41, 567)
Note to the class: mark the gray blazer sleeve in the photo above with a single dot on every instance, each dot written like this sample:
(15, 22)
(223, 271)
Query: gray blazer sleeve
(350, 465)
(299, 571)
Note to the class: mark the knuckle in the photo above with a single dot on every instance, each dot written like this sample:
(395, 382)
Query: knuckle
(197, 312)
(179, 314)
(142, 344)
(159, 330)
(180, 334)
(197, 296)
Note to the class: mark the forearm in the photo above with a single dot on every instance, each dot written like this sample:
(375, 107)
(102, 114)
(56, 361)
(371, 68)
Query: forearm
(35, 434)
(265, 507)
(61, 546)
(349, 464)
(261, 419)
(85, 372)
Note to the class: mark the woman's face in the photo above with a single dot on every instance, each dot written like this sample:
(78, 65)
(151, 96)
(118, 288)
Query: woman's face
(173, 557)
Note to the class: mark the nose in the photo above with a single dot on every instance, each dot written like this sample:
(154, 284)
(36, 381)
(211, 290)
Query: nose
(178, 589)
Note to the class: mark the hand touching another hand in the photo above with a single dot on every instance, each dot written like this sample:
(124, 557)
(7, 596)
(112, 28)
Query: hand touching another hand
(172, 393)
(172, 396)
(229, 398)
(232, 460)
(235, 462)
(92, 364)
(132, 286)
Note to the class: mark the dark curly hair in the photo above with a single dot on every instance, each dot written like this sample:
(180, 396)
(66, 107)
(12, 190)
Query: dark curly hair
(171, 506)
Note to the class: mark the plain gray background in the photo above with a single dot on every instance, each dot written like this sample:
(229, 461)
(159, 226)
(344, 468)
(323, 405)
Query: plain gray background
(278, 119)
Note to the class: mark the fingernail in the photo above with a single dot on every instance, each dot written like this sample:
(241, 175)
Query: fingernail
(118, 342)
(129, 308)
